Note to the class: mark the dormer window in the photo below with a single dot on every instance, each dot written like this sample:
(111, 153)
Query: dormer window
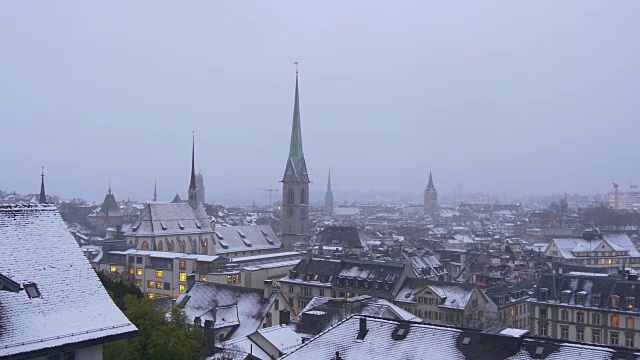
(180, 225)
(581, 296)
(630, 302)
(242, 235)
(32, 290)
(544, 294)
(595, 300)
(198, 225)
(566, 295)
(163, 225)
(615, 301)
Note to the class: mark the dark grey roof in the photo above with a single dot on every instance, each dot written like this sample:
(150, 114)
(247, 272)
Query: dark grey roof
(371, 277)
(590, 284)
(343, 236)
(229, 239)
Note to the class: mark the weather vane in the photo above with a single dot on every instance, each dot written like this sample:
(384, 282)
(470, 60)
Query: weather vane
(296, 62)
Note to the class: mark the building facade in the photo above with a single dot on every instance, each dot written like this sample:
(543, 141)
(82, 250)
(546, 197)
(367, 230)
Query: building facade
(587, 308)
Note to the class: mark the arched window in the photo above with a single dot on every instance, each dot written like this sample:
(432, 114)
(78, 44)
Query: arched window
(182, 246)
(291, 197)
(145, 245)
(303, 197)
(205, 246)
(160, 247)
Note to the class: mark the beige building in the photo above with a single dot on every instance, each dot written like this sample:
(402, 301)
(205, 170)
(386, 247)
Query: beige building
(447, 303)
(161, 274)
(587, 308)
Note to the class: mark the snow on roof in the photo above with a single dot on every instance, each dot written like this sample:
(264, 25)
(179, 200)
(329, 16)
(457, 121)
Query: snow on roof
(230, 239)
(384, 341)
(249, 304)
(73, 307)
(159, 219)
(282, 337)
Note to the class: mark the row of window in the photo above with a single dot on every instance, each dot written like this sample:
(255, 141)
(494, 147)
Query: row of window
(595, 318)
(581, 296)
(596, 336)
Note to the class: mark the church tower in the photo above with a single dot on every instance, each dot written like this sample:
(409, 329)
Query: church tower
(430, 197)
(193, 191)
(328, 198)
(295, 186)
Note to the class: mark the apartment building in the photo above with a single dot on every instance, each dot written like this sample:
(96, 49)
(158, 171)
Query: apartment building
(587, 307)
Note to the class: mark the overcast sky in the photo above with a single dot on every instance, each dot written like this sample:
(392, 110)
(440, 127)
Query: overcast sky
(500, 96)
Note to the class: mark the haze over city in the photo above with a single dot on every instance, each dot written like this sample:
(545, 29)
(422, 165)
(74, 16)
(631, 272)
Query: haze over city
(502, 98)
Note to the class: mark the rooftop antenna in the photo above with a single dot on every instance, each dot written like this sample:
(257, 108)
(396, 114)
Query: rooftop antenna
(296, 63)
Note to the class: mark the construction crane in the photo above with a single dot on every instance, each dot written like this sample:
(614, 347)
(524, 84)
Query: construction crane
(270, 193)
(616, 201)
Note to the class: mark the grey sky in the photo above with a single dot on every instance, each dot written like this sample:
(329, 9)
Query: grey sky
(500, 96)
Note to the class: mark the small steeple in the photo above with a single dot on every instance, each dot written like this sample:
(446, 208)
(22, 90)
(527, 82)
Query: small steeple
(329, 183)
(193, 193)
(430, 185)
(43, 195)
(155, 190)
(109, 191)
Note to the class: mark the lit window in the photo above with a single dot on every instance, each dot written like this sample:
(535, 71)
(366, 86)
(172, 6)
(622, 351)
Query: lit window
(145, 245)
(183, 265)
(630, 302)
(131, 270)
(203, 277)
(183, 277)
(615, 321)
(151, 284)
(615, 301)
(139, 271)
(610, 261)
(139, 283)
(158, 284)
(158, 273)
(182, 287)
(151, 295)
(630, 323)
(114, 268)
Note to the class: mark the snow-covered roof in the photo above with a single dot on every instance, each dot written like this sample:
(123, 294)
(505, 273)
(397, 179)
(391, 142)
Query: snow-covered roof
(229, 239)
(391, 339)
(73, 306)
(161, 219)
(569, 247)
(246, 307)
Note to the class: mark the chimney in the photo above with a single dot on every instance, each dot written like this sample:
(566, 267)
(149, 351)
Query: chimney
(191, 280)
(338, 355)
(362, 332)
(285, 317)
(309, 254)
(267, 288)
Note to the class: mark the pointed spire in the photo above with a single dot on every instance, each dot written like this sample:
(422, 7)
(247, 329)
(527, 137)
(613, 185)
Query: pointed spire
(295, 149)
(155, 190)
(109, 187)
(43, 195)
(192, 185)
(430, 186)
(329, 182)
